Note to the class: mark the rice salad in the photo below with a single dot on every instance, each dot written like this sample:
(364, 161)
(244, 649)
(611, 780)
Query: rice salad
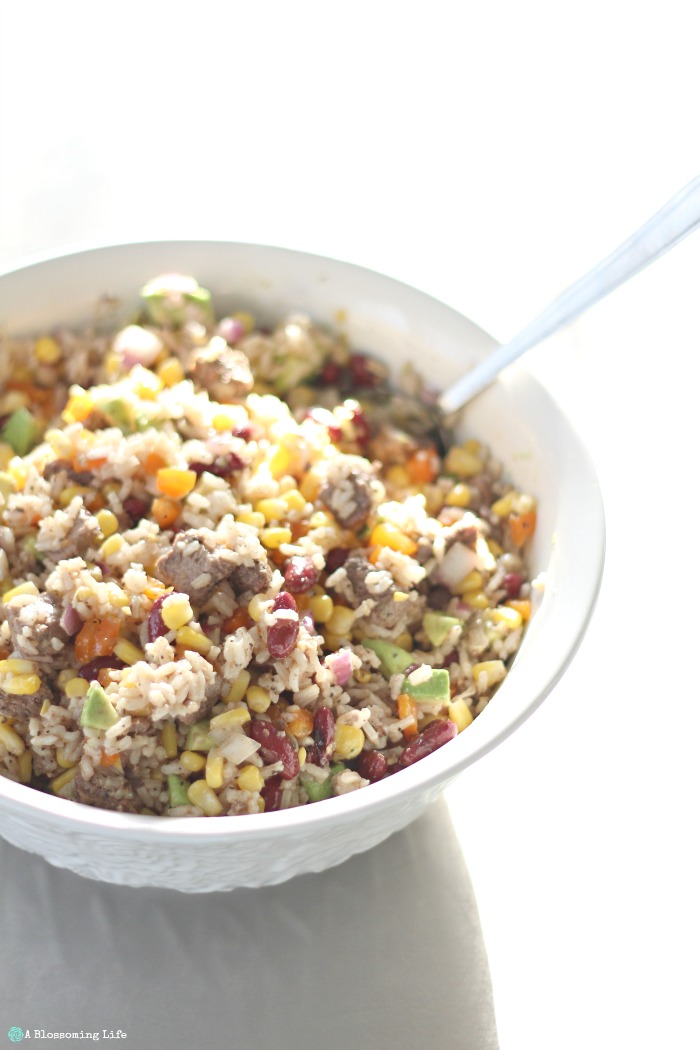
(229, 585)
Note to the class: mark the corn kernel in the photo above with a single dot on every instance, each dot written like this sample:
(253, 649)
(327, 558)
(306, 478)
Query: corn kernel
(176, 612)
(477, 599)
(47, 351)
(237, 716)
(272, 509)
(302, 724)
(251, 517)
(521, 605)
(128, 652)
(238, 688)
(341, 620)
(108, 522)
(221, 423)
(461, 462)
(280, 461)
(149, 384)
(15, 666)
(405, 641)
(273, 538)
(258, 699)
(192, 639)
(76, 687)
(460, 495)
(398, 475)
(45, 707)
(488, 673)
(362, 676)
(174, 482)
(503, 506)
(7, 454)
(170, 372)
(65, 778)
(214, 770)
(192, 761)
(21, 588)
(12, 401)
(509, 616)
(400, 596)
(471, 583)
(202, 796)
(72, 492)
(349, 741)
(255, 607)
(310, 486)
(24, 767)
(301, 755)
(11, 740)
(168, 738)
(294, 500)
(65, 676)
(494, 547)
(62, 761)
(320, 520)
(112, 545)
(333, 642)
(22, 684)
(18, 473)
(459, 712)
(321, 607)
(250, 779)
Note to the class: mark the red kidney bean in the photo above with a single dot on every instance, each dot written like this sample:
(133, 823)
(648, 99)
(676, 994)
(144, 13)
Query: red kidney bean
(275, 746)
(245, 431)
(136, 508)
(326, 419)
(359, 423)
(361, 371)
(512, 581)
(282, 634)
(433, 736)
(335, 558)
(271, 792)
(324, 737)
(331, 373)
(300, 574)
(92, 669)
(221, 467)
(156, 628)
(371, 765)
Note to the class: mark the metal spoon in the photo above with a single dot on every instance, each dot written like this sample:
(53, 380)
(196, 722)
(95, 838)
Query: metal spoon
(677, 218)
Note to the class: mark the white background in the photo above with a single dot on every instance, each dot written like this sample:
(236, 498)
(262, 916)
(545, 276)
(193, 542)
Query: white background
(489, 153)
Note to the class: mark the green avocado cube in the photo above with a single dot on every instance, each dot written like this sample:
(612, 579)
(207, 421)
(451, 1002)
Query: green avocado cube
(393, 659)
(435, 690)
(317, 790)
(21, 431)
(98, 711)
(198, 738)
(438, 625)
(177, 791)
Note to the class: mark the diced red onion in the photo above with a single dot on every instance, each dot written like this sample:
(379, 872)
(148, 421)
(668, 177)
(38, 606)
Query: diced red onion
(340, 665)
(71, 621)
(137, 346)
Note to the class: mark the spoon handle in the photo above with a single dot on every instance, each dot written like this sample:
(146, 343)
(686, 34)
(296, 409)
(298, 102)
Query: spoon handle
(666, 228)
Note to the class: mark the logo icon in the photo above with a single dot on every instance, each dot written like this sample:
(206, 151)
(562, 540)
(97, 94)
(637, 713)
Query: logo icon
(16, 1035)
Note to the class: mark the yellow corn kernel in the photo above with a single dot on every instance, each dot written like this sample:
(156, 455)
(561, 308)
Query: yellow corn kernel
(302, 724)
(62, 761)
(246, 320)
(22, 684)
(47, 351)
(471, 583)
(488, 673)
(71, 492)
(12, 401)
(24, 767)
(119, 599)
(21, 588)
(459, 712)
(149, 384)
(170, 372)
(108, 522)
(320, 520)
(8, 485)
(11, 740)
(301, 755)
(15, 666)
(349, 741)
(272, 509)
(176, 611)
(201, 795)
(460, 461)
(63, 779)
(79, 407)
(168, 738)
(7, 453)
(333, 642)
(521, 605)
(251, 517)
(257, 699)
(45, 707)
(460, 495)
(494, 547)
(509, 616)
(128, 652)
(221, 423)
(321, 607)
(385, 534)
(214, 770)
(237, 716)
(398, 475)
(310, 486)
(273, 538)
(405, 641)
(255, 607)
(400, 596)
(250, 779)
(362, 676)
(76, 687)
(238, 688)
(477, 599)
(341, 620)
(192, 761)
(280, 461)
(192, 639)
(294, 500)
(503, 506)
(112, 545)
(18, 473)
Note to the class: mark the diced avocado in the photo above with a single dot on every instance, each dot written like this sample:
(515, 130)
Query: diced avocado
(318, 789)
(21, 431)
(173, 298)
(118, 414)
(177, 791)
(198, 738)
(435, 690)
(438, 625)
(337, 767)
(393, 659)
(98, 711)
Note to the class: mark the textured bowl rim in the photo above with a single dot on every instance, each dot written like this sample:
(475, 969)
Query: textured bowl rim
(438, 768)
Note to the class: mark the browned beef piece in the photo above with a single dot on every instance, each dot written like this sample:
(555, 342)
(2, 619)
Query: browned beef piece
(224, 373)
(387, 613)
(193, 568)
(464, 534)
(36, 630)
(24, 707)
(108, 790)
(62, 470)
(84, 534)
(348, 498)
(250, 579)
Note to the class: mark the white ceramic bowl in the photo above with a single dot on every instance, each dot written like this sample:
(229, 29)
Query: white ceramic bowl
(516, 417)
